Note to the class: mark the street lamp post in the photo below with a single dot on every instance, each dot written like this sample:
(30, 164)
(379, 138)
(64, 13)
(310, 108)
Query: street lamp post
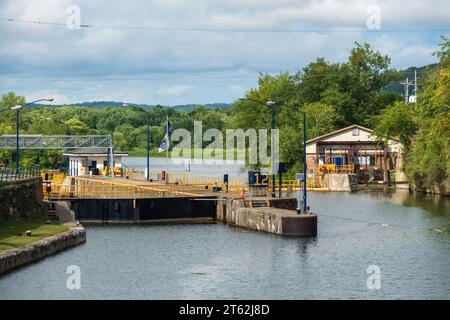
(305, 207)
(148, 146)
(271, 105)
(305, 167)
(17, 108)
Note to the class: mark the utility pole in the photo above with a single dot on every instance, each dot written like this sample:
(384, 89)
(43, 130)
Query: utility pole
(415, 85)
(17, 142)
(406, 84)
(273, 148)
(305, 168)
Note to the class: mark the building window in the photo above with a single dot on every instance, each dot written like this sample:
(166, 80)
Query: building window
(355, 132)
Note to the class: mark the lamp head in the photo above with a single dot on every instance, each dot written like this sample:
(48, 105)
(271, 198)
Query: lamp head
(270, 103)
(18, 107)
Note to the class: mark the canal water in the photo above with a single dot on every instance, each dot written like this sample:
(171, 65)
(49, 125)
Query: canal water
(208, 168)
(406, 236)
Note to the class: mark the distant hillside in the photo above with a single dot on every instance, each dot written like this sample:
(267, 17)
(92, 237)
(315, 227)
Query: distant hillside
(115, 104)
(409, 73)
(190, 107)
(393, 88)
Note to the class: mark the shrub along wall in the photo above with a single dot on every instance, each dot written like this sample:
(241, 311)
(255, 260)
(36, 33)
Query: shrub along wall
(21, 199)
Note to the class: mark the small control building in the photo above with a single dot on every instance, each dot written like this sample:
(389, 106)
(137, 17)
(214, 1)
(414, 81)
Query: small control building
(353, 150)
(95, 162)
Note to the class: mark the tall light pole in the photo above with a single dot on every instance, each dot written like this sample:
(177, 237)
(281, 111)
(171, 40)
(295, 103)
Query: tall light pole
(271, 105)
(305, 167)
(17, 108)
(305, 207)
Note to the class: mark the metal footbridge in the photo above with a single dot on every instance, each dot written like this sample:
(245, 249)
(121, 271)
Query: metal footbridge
(101, 187)
(33, 142)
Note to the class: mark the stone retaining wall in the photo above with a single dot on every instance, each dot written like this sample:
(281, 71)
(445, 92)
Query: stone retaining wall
(15, 258)
(21, 200)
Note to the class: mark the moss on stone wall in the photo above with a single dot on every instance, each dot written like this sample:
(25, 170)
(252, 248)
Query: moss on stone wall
(21, 200)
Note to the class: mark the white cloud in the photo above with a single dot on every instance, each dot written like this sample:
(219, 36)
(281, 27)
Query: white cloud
(176, 91)
(235, 89)
(39, 51)
(46, 94)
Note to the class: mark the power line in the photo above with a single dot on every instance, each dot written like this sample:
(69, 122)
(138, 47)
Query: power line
(166, 78)
(187, 29)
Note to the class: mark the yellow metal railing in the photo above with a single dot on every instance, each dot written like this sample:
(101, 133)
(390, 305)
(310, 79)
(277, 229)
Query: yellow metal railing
(332, 168)
(54, 176)
(184, 184)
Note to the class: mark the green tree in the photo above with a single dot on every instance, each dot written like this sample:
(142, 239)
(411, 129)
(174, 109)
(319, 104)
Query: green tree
(76, 126)
(396, 122)
(354, 88)
(321, 118)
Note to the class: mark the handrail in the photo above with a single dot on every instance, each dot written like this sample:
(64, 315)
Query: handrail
(9, 174)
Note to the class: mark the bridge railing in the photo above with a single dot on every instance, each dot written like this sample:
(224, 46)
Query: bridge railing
(332, 168)
(9, 174)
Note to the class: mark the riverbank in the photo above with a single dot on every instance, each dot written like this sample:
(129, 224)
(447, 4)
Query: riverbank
(13, 233)
(35, 251)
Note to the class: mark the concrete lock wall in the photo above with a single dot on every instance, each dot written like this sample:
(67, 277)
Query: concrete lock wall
(280, 218)
(226, 205)
(21, 199)
(143, 210)
(338, 182)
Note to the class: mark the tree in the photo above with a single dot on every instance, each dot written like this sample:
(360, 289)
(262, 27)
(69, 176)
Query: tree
(8, 118)
(424, 128)
(120, 143)
(321, 118)
(427, 164)
(354, 88)
(396, 122)
(76, 126)
(10, 100)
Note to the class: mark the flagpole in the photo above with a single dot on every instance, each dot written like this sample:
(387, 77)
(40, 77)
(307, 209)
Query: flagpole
(167, 151)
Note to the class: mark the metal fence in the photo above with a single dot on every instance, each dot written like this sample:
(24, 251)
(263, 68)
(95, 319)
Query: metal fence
(9, 174)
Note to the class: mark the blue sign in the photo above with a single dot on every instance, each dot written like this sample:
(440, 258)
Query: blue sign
(256, 179)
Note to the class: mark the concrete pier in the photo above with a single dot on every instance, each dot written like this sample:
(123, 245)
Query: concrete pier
(280, 218)
(273, 220)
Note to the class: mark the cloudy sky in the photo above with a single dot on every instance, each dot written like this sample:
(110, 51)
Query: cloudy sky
(196, 51)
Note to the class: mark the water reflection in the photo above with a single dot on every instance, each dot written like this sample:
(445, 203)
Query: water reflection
(221, 262)
(433, 203)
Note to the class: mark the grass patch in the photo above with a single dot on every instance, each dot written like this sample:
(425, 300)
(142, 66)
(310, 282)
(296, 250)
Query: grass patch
(12, 233)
